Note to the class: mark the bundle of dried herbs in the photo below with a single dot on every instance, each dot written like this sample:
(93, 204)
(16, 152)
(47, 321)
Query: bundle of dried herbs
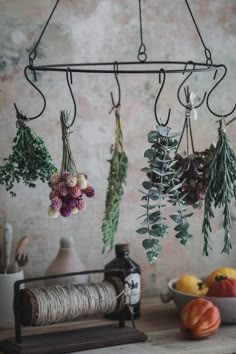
(115, 190)
(220, 190)
(195, 168)
(69, 185)
(28, 162)
(162, 188)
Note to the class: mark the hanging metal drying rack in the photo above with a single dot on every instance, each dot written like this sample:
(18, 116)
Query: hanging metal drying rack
(141, 66)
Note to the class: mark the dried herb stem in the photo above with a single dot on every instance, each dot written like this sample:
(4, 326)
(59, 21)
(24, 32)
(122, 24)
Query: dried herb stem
(220, 190)
(28, 162)
(115, 190)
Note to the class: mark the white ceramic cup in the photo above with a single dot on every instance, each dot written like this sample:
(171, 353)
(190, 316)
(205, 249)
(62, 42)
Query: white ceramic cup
(7, 281)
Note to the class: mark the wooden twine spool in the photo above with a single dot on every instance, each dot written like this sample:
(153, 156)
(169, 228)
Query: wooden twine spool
(60, 303)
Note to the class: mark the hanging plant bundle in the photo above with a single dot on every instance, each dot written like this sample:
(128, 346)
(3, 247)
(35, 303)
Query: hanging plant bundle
(115, 189)
(69, 186)
(162, 188)
(220, 190)
(29, 161)
(195, 168)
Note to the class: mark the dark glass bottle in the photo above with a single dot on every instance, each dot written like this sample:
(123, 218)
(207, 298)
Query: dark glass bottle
(132, 278)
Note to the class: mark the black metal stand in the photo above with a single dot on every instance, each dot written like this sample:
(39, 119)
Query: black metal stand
(73, 340)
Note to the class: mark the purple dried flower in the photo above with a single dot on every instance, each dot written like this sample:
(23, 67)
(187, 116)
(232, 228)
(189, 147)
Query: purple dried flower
(65, 211)
(70, 201)
(89, 192)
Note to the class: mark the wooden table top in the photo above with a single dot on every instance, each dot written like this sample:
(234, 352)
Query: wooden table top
(160, 322)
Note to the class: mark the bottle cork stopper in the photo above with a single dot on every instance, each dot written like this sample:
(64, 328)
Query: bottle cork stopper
(121, 247)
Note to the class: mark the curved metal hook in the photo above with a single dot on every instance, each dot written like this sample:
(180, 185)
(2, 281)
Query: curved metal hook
(181, 85)
(116, 105)
(162, 71)
(69, 80)
(213, 88)
(19, 115)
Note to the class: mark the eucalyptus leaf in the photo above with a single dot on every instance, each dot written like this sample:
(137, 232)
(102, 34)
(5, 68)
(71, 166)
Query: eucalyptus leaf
(147, 184)
(149, 153)
(182, 227)
(148, 243)
(142, 230)
(176, 218)
(148, 206)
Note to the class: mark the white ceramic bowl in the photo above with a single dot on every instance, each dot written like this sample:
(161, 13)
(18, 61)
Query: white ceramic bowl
(226, 305)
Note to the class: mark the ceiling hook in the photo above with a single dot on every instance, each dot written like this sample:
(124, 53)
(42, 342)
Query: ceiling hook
(19, 115)
(181, 85)
(116, 72)
(69, 80)
(213, 89)
(160, 121)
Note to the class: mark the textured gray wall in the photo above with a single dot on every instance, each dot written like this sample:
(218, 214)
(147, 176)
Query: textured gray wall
(106, 30)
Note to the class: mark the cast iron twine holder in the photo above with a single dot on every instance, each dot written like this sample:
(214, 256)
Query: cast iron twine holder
(17, 303)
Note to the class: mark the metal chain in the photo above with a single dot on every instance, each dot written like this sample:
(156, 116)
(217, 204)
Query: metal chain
(142, 55)
(207, 51)
(33, 53)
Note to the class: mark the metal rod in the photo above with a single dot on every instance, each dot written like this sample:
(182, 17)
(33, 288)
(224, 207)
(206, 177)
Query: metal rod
(62, 68)
(184, 63)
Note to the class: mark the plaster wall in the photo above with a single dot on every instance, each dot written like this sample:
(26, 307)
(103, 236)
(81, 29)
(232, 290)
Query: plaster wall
(106, 30)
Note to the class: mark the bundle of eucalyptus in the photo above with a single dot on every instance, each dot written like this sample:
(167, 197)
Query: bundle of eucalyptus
(220, 189)
(68, 186)
(162, 188)
(115, 189)
(28, 162)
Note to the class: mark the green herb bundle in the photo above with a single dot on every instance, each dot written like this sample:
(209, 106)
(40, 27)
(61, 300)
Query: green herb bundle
(162, 187)
(115, 190)
(28, 162)
(220, 190)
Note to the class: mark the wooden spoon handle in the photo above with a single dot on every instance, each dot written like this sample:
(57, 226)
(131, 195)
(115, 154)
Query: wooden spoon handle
(7, 243)
(21, 245)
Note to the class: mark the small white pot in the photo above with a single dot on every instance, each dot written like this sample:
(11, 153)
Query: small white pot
(7, 319)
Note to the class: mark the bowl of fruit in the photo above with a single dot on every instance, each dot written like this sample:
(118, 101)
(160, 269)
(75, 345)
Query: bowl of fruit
(219, 287)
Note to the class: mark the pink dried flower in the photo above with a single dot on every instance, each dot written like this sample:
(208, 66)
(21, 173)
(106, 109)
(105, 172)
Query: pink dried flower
(65, 174)
(81, 205)
(89, 192)
(71, 181)
(62, 189)
(65, 211)
(54, 178)
(56, 203)
(75, 192)
(52, 194)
